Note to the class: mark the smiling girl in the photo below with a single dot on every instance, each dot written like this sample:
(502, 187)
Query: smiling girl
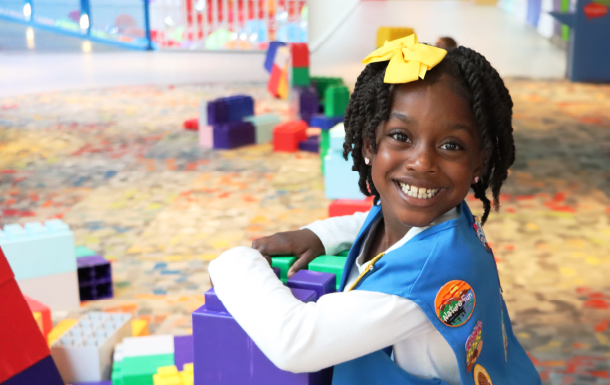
(420, 293)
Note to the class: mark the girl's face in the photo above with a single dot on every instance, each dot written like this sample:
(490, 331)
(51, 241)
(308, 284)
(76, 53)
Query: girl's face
(429, 152)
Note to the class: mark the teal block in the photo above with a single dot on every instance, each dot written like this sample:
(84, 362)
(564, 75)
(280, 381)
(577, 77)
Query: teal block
(117, 373)
(37, 250)
(84, 251)
(329, 264)
(264, 125)
(139, 370)
(284, 264)
(336, 99)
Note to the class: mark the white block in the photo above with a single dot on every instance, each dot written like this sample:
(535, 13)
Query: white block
(148, 346)
(37, 250)
(84, 353)
(57, 291)
(264, 125)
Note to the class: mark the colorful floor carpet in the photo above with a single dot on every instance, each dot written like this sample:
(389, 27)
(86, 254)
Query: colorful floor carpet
(118, 167)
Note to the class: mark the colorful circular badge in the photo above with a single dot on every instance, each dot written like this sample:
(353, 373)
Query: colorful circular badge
(480, 376)
(454, 303)
(474, 345)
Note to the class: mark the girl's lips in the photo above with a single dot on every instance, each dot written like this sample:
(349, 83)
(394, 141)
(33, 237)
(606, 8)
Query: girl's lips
(420, 202)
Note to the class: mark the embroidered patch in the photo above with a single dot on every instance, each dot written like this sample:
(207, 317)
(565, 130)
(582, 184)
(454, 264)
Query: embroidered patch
(503, 330)
(478, 228)
(480, 376)
(454, 303)
(474, 345)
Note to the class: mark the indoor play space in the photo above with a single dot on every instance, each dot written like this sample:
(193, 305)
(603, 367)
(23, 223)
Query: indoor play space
(140, 140)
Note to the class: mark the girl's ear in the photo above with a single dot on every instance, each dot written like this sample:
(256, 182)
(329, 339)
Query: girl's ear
(367, 151)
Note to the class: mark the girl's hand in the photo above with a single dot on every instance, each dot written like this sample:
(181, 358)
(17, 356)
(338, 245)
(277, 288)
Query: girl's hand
(303, 244)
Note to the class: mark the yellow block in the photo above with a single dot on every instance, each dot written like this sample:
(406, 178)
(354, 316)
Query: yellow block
(392, 33)
(169, 375)
(38, 318)
(486, 2)
(139, 328)
(59, 330)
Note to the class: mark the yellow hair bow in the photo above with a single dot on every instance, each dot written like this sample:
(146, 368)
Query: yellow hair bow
(409, 60)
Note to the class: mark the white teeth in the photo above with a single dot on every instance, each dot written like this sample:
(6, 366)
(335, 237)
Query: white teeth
(418, 192)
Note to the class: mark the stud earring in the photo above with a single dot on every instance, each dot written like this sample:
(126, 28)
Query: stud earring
(366, 160)
(476, 179)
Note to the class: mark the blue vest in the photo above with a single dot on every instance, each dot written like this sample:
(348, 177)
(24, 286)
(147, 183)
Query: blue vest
(450, 272)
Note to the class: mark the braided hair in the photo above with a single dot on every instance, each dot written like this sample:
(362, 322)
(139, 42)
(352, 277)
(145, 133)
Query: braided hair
(472, 77)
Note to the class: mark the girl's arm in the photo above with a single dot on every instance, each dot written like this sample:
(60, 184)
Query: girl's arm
(307, 337)
(338, 233)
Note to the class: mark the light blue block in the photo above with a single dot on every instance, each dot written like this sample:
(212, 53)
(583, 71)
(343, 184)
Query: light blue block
(340, 182)
(337, 137)
(264, 125)
(38, 250)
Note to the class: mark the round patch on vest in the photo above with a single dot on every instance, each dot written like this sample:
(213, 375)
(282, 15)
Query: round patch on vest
(474, 345)
(454, 303)
(480, 376)
(478, 228)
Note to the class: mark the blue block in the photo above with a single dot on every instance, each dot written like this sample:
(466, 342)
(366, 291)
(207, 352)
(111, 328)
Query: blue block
(270, 56)
(218, 112)
(340, 182)
(312, 144)
(324, 122)
(37, 250)
(337, 138)
(232, 135)
(42, 372)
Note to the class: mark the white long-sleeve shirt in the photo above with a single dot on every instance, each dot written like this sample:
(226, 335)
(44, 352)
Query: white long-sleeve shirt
(306, 337)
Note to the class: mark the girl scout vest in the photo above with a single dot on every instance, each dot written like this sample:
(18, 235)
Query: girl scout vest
(450, 272)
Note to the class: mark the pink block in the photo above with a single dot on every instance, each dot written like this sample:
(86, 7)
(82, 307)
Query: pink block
(206, 136)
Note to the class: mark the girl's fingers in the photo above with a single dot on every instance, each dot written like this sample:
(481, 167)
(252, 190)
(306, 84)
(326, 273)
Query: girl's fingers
(273, 245)
(301, 263)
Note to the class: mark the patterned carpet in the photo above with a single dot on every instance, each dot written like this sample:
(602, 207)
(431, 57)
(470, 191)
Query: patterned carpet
(116, 165)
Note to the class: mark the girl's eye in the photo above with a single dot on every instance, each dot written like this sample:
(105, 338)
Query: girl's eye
(400, 137)
(451, 146)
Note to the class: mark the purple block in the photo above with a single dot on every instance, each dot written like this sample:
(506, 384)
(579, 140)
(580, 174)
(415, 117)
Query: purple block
(308, 102)
(94, 278)
(225, 355)
(324, 122)
(218, 112)
(239, 106)
(93, 383)
(183, 351)
(232, 135)
(312, 144)
(277, 272)
(321, 283)
(42, 372)
(213, 303)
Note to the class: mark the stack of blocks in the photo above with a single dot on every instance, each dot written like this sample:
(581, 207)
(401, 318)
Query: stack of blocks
(137, 359)
(94, 278)
(340, 181)
(84, 352)
(225, 355)
(43, 260)
(226, 126)
(299, 60)
(25, 358)
(323, 264)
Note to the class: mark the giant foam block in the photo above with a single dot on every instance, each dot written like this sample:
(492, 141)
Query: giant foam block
(94, 278)
(264, 125)
(58, 291)
(37, 249)
(84, 352)
(233, 135)
(225, 355)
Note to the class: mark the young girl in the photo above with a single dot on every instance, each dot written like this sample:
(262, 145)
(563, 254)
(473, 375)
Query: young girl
(420, 299)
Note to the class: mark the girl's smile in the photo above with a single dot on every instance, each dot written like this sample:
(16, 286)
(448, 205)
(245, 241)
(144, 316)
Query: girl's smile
(428, 153)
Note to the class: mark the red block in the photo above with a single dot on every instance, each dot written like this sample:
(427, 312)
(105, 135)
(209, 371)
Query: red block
(349, 206)
(191, 124)
(21, 343)
(47, 323)
(300, 54)
(286, 136)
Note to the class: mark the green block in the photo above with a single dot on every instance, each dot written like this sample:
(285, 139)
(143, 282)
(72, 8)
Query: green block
(322, 83)
(324, 146)
(117, 374)
(329, 264)
(300, 76)
(140, 370)
(284, 264)
(336, 98)
(564, 6)
(84, 251)
(344, 253)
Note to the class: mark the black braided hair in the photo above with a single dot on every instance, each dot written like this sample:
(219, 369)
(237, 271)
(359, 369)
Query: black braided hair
(471, 77)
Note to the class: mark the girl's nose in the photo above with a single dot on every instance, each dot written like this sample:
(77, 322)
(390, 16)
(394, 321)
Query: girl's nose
(421, 159)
